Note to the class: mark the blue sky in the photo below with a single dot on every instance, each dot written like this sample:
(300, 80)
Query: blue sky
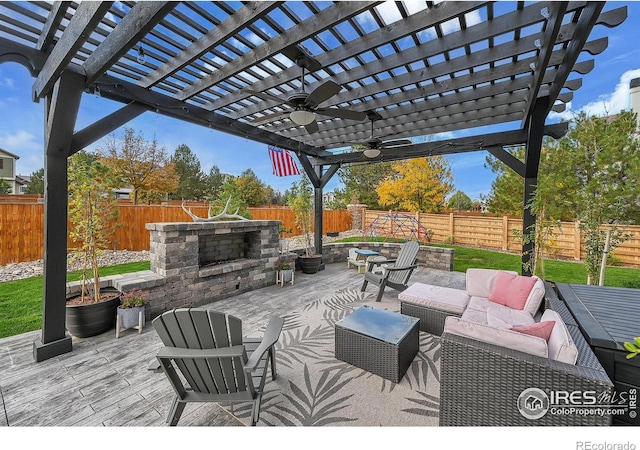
(605, 89)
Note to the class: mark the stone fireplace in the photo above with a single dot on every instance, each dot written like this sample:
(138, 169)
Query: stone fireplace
(207, 261)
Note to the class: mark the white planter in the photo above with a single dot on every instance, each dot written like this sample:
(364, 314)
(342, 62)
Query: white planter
(284, 276)
(130, 318)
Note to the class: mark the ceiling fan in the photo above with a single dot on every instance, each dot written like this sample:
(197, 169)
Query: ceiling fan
(374, 145)
(305, 104)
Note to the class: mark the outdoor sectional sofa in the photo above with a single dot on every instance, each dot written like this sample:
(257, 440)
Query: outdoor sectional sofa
(488, 371)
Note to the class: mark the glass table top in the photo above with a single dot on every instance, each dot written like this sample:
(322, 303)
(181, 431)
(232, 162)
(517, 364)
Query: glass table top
(377, 323)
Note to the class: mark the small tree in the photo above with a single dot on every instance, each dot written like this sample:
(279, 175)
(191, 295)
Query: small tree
(230, 189)
(300, 200)
(460, 201)
(5, 187)
(36, 185)
(93, 214)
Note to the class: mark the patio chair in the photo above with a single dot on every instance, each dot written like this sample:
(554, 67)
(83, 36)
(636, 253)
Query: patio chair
(206, 359)
(397, 271)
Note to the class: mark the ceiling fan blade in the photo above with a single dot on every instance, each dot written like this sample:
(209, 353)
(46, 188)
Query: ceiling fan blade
(265, 96)
(312, 127)
(323, 92)
(341, 113)
(396, 143)
(270, 117)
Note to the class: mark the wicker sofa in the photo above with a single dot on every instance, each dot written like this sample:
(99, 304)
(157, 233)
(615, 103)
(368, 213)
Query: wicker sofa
(480, 383)
(489, 365)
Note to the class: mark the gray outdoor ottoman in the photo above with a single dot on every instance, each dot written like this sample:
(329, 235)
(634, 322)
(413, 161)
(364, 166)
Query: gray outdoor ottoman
(378, 341)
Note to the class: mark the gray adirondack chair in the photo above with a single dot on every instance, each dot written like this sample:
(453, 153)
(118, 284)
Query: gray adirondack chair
(397, 271)
(206, 359)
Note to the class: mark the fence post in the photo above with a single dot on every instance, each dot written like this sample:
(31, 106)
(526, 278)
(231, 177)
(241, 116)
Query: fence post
(505, 233)
(451, 227)
(577, 242)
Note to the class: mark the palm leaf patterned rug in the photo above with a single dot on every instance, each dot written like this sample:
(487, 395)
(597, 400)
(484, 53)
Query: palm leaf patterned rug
(315, 389)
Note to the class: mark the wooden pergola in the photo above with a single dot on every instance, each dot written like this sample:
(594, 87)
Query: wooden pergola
(401, 69)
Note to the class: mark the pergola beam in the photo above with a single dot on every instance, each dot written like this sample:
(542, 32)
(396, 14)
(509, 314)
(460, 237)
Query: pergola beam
(142, 17)
(315, 24)
(249, 13)
(86, 18)
(45, 40)
(449, 146)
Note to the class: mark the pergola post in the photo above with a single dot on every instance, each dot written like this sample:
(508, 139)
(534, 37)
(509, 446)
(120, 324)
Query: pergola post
(535, 133)
(317, 202)
(61, 109)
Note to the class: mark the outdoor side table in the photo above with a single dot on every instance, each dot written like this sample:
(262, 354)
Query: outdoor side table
(366, 254)
(378, 341)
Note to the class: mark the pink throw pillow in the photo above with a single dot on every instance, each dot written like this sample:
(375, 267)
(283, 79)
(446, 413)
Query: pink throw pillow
(540, 329)
(511, 290)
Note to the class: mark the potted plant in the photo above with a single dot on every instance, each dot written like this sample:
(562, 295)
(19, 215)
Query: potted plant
(131, 312)
(93, 216)
(633, 347)
(284, 243)
(300, 202)
(284, 273)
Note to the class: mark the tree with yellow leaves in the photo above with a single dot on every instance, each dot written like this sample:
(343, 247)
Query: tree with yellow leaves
(417, 185)
(141, 164)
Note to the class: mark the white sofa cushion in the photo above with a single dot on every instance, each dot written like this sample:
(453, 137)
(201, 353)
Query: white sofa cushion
(561, 346)
(480, 282)
(505, 338)
(437, 297)
(498, 316)
(535, 297)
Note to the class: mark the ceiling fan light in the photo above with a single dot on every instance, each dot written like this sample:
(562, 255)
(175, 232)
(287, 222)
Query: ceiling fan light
(302, 117)
(371, 152)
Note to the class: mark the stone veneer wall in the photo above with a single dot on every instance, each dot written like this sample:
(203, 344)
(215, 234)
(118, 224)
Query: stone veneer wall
(175, 256)
(430, 257)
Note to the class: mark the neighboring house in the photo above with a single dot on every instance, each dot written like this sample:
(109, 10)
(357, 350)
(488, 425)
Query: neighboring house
(22, 182)
(328, 197)
(8, 170)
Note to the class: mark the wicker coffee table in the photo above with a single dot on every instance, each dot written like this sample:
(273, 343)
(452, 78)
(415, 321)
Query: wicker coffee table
(378, 341)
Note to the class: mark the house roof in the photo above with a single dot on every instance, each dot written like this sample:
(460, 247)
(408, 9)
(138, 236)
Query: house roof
(3, 151)
(417, 68)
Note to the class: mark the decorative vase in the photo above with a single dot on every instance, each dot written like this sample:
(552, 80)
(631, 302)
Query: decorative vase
(92, 319)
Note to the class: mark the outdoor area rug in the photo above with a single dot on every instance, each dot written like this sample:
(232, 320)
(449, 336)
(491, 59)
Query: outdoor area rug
(315, 389)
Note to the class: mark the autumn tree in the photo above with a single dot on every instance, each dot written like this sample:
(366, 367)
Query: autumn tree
(36, 183)
(418, 185)
(193, 181)
(250, 189)
(141, 164)
(460, 201)
(361, 182)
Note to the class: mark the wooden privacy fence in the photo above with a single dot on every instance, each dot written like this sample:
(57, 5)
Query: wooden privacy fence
(22, 226)
(497, 233)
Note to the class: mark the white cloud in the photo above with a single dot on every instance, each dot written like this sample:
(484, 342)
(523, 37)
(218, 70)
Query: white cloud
(7, 83)
(19, 141)
(388, 12)
(616, 101)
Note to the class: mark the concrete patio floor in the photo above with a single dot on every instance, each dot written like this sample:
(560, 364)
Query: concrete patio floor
(104, 381)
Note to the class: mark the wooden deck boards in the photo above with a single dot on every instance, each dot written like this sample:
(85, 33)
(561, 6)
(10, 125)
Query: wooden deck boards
(104, 381)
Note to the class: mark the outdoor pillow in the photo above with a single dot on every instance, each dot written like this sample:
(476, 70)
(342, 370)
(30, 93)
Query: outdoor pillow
(540, 329)
(480, 282)
(535, 297)
(512, 290)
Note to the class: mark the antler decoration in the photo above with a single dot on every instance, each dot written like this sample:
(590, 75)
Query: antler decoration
(222, 215)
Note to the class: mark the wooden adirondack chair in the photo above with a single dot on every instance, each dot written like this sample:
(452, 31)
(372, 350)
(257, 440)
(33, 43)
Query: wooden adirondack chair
(397, 271)
(205, 348)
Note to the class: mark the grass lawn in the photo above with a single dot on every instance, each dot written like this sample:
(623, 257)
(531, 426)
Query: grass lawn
(558, 271)
(21, 300)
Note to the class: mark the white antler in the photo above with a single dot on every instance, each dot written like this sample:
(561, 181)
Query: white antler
(222, 215)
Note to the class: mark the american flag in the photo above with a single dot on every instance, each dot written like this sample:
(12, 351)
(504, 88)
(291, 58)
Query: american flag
(283, 163)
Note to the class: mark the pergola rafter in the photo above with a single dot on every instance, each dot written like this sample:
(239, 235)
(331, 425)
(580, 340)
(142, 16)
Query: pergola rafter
(420, 68)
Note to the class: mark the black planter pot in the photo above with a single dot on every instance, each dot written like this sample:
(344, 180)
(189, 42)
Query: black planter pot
(310, 264)
(93, 318)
